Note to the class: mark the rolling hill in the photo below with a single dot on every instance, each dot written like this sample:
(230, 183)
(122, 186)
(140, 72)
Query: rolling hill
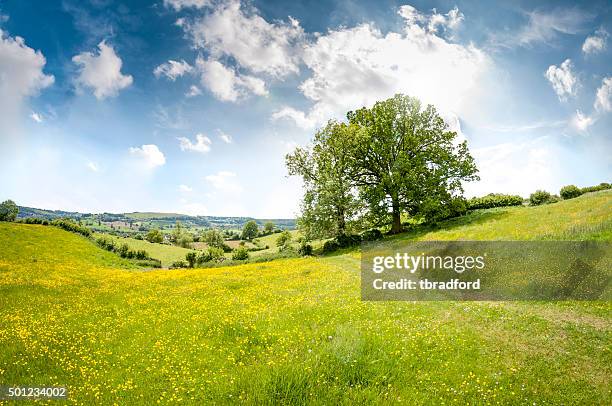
(295, 331)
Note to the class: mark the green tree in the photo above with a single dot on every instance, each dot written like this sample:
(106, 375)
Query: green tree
(250, 230)
(191, 258)
(8, 210)
(269, 227)
(284, 240)
(214, 238)
(330, 205)
(406, 160)
(240, 254)
(155, 236)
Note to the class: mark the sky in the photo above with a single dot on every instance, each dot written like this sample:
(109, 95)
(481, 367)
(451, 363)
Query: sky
(190, 106)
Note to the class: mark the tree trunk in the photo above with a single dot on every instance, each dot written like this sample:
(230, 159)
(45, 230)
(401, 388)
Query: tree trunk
(341, 221)
(396, 227)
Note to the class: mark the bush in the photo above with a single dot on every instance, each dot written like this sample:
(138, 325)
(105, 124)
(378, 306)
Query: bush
(348, 240)
(601, 186)
(69, 225)
(211, 254)
(539, 197)
(106, 243)
(191, 258)
(155, 236)
(141, 254)
(372, 235)
(494, 200)
(123, 250)
(305, 249)
(569, 192)
(330, 246)
(178, 264)
(240, 254)
(284, 240)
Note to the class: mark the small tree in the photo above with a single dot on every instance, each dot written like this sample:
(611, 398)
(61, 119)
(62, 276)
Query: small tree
(214, 238)
(240, 254)
(569, 192)
(155, 236)
(250, 230)
(191, 258)
(8, 210)
(283, 241)
(269, 227)
(539, 197)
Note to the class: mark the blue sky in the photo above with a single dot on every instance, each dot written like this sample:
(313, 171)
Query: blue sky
(190, 105)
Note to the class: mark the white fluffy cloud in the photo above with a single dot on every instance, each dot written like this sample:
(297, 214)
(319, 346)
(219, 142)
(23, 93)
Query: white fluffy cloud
(603, 100)
(21, 76)
(224, 181)
(354, 67)
(562, 79)
(149, 154)
(172, 69)
(193, 91)
(227, 85)
(255, 44)
(201, 144)
(181, 4)
(595, 43)
(101, 71)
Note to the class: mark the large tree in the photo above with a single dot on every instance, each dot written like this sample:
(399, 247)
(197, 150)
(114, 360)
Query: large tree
(8, 210)
(406, 159)
(250, 230)
(331, 201)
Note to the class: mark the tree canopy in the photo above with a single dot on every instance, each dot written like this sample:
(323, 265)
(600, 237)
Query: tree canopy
(392, 159)
(250, 230)
(8, 210)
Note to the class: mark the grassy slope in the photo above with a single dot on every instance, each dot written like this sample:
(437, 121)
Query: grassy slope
(167, 254)
(292, 330)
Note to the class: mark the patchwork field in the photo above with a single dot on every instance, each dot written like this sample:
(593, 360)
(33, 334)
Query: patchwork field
(295, 330)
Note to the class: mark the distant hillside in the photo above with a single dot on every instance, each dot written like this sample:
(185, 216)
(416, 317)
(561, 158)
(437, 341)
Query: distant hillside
(151, 219)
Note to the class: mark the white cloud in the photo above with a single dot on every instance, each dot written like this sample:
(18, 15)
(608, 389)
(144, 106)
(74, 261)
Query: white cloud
(603, 100)
(259, 46)
(21, 76)
(595, 43)
(181, 4)
(581, 122)
(227, 85)
(92, 166)
(354, 67)
(185, 189)
(36, 117)
(562, 79)
(150, 154)
(193, 91)
(226, 138)
(202, 143)
(433, 22)
(101, 71)
(172, 69)
(224, 181)
(543, 27)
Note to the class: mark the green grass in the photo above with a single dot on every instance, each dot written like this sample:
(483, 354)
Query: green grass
(294, 331)
(167, 254)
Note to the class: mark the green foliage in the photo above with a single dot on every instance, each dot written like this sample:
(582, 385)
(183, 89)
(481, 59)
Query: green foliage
(214, 238)
(250, 230)
(34, 220)
(155, 236)
(540, 197)
(70, 225)
(269, 227)
(8, 210)
(179, 264)
(305, 249)
(494, 200)
(211, 254)
(191, 258)
(601, 186)
(372, 235)
(240, 254)
(570, 192)
(284, 240)
(330, 246)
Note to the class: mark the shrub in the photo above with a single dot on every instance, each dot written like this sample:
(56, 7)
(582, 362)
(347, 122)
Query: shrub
(284, 240)
(123, 250)
(141, 254)
(155, 236)
(70, 225)
(601, 186)
(106, 243)
(240, 254)
(305, 249)
(348, 240)
(372, 235)
(8, 210)
(178, 264)
(569, 192)
(539, 197)
(494, 200)
(330, 246)
(191, 258)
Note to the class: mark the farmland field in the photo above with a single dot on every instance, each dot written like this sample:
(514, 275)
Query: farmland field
(295, 330)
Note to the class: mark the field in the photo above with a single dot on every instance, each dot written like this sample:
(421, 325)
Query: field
(295, 330)
(167, 254)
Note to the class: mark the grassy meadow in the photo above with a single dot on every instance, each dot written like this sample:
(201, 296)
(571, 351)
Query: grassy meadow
(295, 330)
